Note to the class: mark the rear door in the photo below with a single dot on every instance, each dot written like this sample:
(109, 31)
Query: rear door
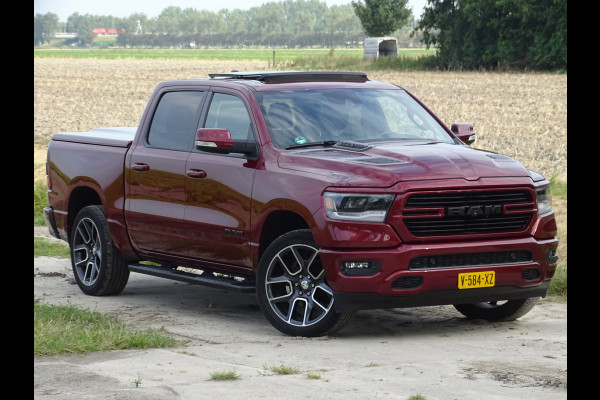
(155, 180)
(218, 188)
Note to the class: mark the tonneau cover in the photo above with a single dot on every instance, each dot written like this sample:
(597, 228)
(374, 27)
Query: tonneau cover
(116, 137)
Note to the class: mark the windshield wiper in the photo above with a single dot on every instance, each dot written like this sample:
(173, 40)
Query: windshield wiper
(311, 144)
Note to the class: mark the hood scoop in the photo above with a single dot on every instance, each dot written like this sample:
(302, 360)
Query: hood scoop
(380, 160)
(497, 156)
(345, 145)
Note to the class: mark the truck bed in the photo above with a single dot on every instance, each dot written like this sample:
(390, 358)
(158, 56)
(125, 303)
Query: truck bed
(82, 164)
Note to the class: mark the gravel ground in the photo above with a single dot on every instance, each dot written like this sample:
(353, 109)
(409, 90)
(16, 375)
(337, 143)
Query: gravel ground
(380, 354)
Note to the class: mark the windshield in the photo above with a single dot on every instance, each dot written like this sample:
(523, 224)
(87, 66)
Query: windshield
(300, 117)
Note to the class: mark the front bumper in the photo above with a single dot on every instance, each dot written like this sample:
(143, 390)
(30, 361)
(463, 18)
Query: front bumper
(396, 285)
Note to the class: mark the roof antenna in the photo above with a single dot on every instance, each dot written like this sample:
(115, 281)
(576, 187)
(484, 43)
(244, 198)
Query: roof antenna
(234, 70)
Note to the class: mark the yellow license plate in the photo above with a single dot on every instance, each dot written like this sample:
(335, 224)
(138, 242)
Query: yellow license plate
(472, 280)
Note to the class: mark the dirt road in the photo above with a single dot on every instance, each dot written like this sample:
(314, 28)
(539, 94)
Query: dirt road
(381, 354)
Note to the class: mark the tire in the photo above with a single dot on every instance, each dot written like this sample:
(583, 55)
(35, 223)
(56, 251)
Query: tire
(295, 298)
(98, 268)
(508, 310)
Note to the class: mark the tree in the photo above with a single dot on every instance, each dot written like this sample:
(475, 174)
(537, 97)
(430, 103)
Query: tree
(44, 28)
(169, 19)
(135, 21)
(549, 48)
(482, 34)
(235, 20)
(84, 26)
(382, 17)
(342, 19)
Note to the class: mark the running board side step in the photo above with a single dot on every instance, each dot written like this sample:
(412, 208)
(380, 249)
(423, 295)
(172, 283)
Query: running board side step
(206, 278)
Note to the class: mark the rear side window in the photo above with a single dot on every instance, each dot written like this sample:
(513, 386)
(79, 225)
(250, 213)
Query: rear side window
(175, 121)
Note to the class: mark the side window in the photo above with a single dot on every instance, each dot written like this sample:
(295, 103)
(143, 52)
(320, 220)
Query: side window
(175, 120)
(229, 112)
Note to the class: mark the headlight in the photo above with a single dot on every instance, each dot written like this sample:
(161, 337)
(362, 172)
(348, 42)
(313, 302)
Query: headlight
(357, 206)
(544, 200)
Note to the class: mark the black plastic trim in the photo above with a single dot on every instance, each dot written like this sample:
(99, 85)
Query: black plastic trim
(51, 222)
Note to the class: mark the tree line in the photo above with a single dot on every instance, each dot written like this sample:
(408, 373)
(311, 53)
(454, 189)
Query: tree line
(276, 23)
(468, 34)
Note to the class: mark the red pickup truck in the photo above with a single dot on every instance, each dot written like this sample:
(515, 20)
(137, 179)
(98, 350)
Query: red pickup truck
(322, 192)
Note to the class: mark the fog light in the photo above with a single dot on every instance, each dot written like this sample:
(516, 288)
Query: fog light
(360, 268)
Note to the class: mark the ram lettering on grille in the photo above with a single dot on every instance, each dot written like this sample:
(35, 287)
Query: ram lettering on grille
(474, 211)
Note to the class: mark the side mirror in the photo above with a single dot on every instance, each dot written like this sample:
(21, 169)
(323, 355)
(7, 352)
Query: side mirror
(214, 140)
(218, 140)
(464, 131)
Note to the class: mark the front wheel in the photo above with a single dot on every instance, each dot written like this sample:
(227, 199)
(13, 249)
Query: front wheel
(292, 291)
(98, 267)
(508, 310)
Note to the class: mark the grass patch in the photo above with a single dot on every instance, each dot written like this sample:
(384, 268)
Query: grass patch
(43, 247)
(137, 382)
(307, 59)
(559, 187)
(313, 376)
(282, 369)
(234, 54)
(224, 376)
(558, 284)
(340, 61)
(70, 330)
(40, 200)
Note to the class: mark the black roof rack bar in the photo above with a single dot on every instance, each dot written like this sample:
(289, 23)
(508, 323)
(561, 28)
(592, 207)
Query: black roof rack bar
(295, 76)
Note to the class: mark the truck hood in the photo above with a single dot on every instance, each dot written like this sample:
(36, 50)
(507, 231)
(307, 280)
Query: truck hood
(384, 164)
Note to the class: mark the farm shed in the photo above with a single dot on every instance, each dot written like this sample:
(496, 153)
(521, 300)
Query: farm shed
(376, 47)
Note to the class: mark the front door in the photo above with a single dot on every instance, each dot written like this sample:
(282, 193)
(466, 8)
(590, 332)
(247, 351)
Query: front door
(219, 190)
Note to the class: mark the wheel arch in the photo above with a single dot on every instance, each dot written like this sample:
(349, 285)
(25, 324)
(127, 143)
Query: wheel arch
(276, 224)
(81, 196)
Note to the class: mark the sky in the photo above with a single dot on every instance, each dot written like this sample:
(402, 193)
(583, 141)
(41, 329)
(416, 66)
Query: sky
(152, 8)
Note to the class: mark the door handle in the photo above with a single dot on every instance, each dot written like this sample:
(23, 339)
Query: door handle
(196, 173)
(140, 167)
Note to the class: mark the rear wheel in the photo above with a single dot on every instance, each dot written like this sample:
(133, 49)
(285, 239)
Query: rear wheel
(292, 291)
(508, 310)
(98, 268)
